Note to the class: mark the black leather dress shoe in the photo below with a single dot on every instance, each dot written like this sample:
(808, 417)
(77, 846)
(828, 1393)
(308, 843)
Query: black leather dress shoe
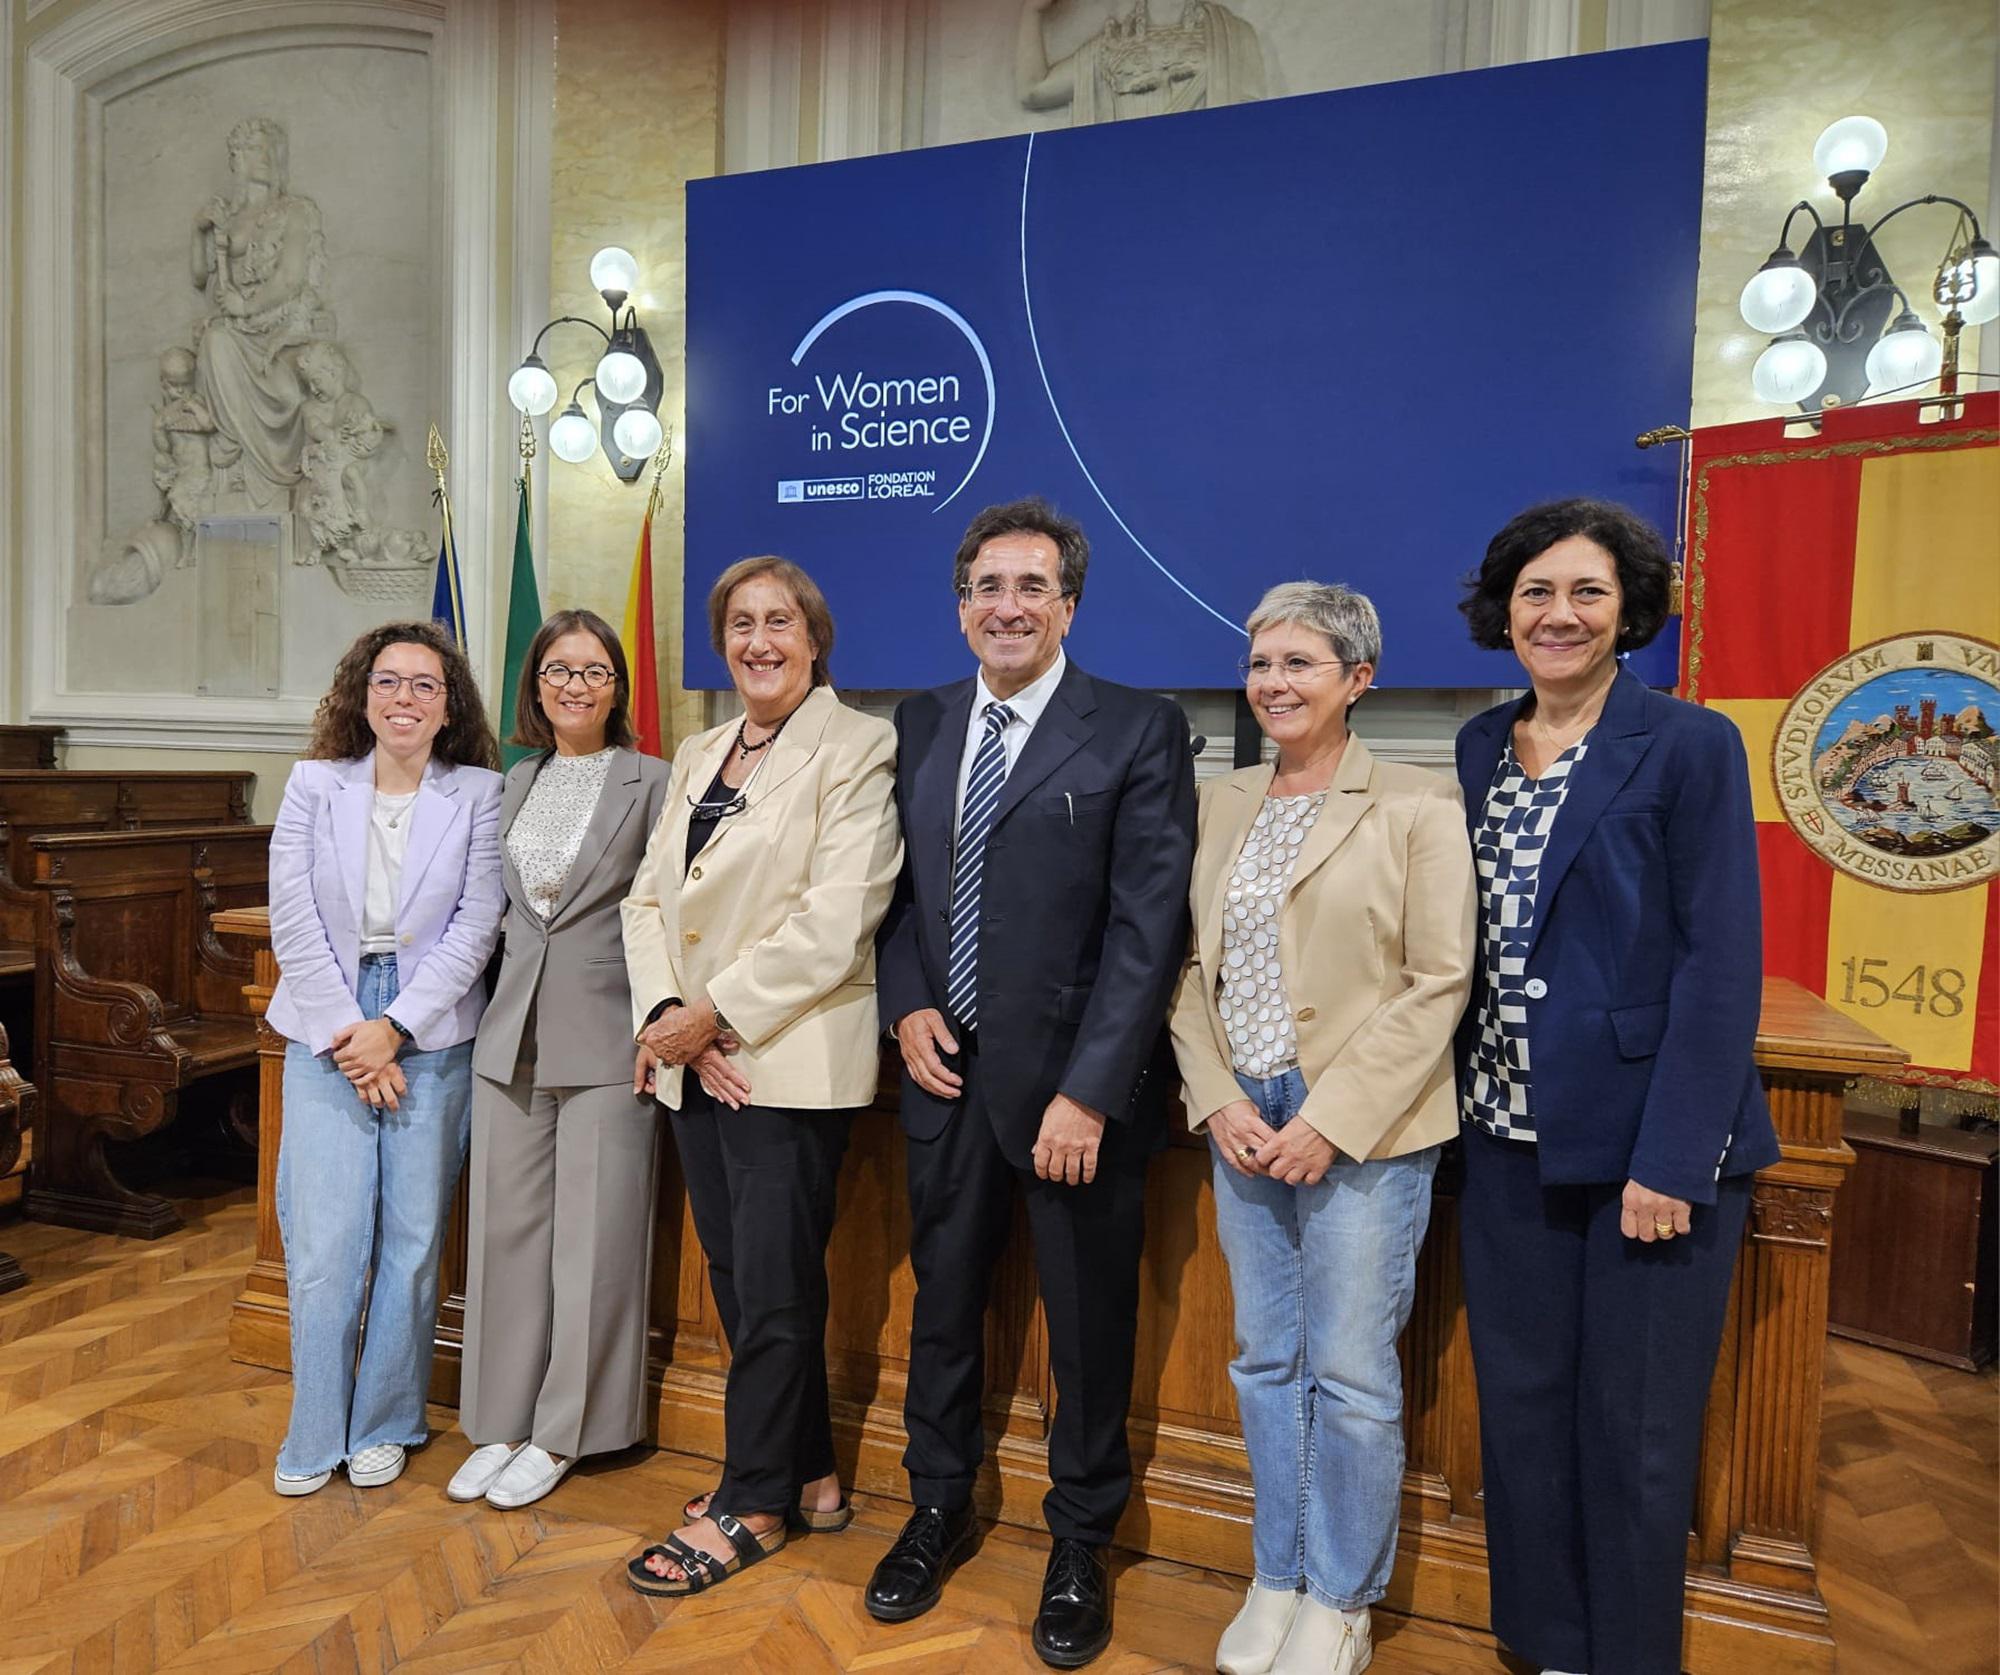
(911, 1575)
(1074, 1623)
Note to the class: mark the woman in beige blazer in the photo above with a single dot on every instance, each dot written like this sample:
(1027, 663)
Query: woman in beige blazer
(1332, 955)
(750, 936)
(564, 1141)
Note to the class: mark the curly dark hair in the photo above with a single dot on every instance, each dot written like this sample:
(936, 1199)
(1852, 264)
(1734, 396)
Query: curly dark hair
(1645, 569)
(531, 721)
(340, 725)
(1032, 516)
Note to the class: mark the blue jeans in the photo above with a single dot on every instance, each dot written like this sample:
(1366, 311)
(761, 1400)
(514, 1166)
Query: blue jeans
(362, 1189)
(1323, 1278)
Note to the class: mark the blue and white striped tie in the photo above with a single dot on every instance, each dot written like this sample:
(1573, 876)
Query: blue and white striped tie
(982, 797)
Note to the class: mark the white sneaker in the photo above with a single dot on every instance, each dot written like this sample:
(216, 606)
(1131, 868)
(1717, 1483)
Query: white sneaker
(375, 1466)
(471, 1481)
(1249, 1646)
(1323, 1641)
(531, 1474)
(299, 1485)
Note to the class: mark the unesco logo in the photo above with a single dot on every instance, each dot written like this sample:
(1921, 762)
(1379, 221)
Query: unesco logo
(797, 491)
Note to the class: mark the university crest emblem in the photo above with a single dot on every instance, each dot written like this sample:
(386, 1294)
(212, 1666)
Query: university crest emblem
(1888, 761)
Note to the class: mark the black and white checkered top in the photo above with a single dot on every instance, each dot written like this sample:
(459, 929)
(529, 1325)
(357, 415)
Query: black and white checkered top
(1507, 850)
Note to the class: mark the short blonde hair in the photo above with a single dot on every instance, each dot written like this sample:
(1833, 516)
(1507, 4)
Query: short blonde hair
(1345, 618)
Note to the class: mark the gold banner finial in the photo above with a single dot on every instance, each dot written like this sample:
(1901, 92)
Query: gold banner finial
(527, 441)
(436, 457)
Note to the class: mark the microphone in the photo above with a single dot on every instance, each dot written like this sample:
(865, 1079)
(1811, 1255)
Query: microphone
(1198, 743)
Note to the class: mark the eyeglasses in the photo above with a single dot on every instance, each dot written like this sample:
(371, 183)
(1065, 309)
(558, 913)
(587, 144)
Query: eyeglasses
(1032, 592)
(1294, 669)
(593, 675)
(386, 683)
(718, 811)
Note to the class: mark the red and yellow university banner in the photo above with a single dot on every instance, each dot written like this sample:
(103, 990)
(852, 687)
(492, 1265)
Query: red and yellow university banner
(1843, 608)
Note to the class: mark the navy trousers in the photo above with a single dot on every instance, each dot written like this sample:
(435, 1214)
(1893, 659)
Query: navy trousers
(1593, 1355)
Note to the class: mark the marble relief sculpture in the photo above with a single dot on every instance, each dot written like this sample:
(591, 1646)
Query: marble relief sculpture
(263, 414)
(1135, 66)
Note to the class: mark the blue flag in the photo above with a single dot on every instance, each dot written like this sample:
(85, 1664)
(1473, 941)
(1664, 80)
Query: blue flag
(447, 597)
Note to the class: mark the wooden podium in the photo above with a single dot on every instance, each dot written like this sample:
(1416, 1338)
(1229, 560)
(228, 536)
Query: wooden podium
(1753, 1600)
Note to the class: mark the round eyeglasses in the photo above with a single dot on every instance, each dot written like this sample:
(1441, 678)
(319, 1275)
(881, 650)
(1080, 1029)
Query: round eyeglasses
(593, 675)
(386, 683)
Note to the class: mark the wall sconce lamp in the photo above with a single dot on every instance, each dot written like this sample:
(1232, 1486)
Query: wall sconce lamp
(1832, 310)
(625, 386)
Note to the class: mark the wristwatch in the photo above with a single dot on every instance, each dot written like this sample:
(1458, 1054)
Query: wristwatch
(722, 1025)
(399, 1027)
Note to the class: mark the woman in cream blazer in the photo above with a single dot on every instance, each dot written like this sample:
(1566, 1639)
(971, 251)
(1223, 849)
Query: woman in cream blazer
(1333, 943)
(750, 939)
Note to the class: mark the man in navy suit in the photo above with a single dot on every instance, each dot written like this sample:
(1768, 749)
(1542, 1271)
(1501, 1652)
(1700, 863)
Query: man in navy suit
(1026, 964)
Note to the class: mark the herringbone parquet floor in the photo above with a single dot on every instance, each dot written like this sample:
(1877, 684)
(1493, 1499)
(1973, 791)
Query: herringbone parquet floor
(139, 1533)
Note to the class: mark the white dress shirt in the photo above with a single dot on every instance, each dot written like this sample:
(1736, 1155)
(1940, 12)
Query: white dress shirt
(1027, 705)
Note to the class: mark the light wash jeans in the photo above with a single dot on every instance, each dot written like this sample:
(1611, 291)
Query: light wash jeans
(361, 1189)
(1323, 1278)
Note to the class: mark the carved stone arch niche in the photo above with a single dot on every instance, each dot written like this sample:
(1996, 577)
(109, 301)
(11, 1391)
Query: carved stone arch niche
(258, 264)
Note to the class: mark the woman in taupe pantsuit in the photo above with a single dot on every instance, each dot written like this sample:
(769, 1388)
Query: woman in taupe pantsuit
(565, 1132)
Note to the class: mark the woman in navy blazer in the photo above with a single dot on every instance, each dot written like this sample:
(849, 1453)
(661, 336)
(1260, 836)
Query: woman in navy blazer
(1612, 1113)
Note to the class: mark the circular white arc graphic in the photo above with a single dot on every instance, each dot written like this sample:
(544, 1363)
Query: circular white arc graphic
(855, 304)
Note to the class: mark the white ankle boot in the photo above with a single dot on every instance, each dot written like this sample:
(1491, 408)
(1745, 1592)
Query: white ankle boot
(1249, 1646)
(1324, 1641)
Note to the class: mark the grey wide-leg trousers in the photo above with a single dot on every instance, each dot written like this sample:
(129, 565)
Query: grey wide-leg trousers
(560, 1255)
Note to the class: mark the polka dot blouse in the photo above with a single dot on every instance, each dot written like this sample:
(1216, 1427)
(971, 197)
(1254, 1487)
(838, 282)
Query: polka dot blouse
(1256, 1011)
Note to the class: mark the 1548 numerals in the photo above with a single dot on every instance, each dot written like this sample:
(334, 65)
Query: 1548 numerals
(1937, 989)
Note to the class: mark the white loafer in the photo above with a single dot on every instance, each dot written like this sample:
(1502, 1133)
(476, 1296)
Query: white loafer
(377, 1465)
(1324, 1641)
(1249, 1646)
(300, 1485)
(531, 1474)
(471, 1481)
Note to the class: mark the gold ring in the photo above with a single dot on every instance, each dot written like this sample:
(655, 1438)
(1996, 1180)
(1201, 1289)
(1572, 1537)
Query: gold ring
(1243, 1154)
(1665, 1229)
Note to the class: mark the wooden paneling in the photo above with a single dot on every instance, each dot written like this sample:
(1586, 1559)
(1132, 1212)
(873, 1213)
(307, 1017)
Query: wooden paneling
(1914, 1252)
(17, 1113)
(1754, 1605)
(29, 747)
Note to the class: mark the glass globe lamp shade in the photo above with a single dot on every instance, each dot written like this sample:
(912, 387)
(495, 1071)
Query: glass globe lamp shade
(573, 436)
(1853, 145)
(1905, 354)
(613, 269)
(1984, 303)
(621, 376)
(1788, 371)
(637, 433)
(1780, 294)
(532, 389)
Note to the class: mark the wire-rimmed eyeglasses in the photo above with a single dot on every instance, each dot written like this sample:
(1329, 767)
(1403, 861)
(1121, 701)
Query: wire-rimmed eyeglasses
(1294, 669)
(705, 810)
(1031, 592)
(386, 683)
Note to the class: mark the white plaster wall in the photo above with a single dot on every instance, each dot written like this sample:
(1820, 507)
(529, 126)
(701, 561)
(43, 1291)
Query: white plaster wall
(360, 122)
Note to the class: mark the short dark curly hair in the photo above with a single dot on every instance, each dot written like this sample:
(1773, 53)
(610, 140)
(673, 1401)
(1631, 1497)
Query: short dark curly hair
(1032, 516)
(1645, 568)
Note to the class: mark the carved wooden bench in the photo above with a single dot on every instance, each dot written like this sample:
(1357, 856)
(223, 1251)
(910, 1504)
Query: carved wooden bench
(136, 1002)
(17, 1113)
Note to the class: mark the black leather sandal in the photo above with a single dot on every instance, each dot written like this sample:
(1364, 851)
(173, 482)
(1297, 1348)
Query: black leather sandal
(801, 1520)
(701, 1571)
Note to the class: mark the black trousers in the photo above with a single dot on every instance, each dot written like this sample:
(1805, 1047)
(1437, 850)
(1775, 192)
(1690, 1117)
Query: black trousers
(762, 1184)
(1087, 1241)
(1593, 1355)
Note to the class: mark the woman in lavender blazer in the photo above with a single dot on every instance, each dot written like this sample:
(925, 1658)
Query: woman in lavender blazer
(386, 896)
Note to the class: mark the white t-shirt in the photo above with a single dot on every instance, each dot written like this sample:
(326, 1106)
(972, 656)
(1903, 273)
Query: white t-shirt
(388, 843)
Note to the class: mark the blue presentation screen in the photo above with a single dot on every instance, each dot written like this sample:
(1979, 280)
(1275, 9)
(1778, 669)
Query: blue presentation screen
(1342, 336)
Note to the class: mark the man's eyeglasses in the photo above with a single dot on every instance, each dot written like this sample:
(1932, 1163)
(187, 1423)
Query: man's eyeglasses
(593, 675)
(386, 683)
(1294, 669)
(1032, 592)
